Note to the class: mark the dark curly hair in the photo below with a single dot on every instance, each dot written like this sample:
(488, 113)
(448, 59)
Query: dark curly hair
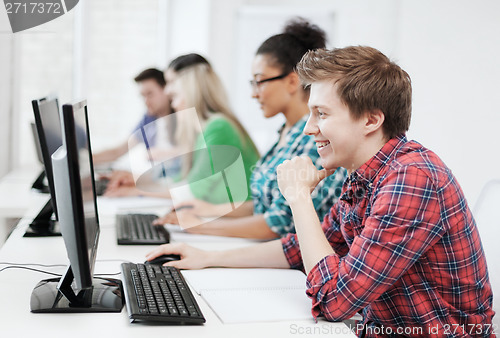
(286, 49)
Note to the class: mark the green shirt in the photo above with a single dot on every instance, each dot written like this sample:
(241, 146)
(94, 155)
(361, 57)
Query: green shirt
(222, 163)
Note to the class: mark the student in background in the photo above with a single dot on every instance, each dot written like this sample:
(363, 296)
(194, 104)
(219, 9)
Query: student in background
(278, 89)
(151, 85)
(207, 140)
(401, 243)
(124, 179)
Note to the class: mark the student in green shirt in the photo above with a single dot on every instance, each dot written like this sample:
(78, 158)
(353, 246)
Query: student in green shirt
(213, 147)
(218, 167)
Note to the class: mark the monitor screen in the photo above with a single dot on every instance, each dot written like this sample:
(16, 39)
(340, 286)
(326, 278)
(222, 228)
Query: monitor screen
(79, 223)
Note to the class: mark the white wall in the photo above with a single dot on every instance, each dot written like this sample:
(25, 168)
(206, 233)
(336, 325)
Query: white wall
(450, 49)
(6, 48)
(189, 23)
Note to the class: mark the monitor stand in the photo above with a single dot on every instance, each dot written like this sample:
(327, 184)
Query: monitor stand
(56, 295)
(39, 184)
(43, 225)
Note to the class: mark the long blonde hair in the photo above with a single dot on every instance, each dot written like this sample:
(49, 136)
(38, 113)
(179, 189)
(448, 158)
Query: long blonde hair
(203, 90)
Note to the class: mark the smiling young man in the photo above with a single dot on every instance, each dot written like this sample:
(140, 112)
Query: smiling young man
(401, 243)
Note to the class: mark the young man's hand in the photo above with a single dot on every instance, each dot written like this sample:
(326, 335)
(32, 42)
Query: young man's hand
(191, 258)
(298, 177)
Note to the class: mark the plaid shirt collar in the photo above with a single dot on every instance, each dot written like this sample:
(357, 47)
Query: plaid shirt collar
(362, 178)
(370, 170)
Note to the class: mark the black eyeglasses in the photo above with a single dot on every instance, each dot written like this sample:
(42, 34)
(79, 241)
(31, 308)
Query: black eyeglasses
(255, 84)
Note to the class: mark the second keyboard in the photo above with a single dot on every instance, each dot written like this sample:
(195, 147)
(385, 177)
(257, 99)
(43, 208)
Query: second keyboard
(139, 229)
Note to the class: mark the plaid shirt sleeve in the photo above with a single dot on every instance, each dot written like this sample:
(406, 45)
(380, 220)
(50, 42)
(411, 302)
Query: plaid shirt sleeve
(332, 231)
(403, 223)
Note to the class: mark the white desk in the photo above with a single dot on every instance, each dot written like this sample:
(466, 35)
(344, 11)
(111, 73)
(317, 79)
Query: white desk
(16, 197)
(16, 286)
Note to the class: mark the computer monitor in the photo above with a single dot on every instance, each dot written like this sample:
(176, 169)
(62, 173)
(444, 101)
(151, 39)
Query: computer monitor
(49, 139)
(78, 290)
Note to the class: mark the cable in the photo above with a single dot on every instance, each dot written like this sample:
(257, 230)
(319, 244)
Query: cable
(24, 264)
(63, 265)
(51, 273)
(26, 268)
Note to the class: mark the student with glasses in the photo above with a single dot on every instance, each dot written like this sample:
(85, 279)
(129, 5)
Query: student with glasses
(256, 84)
(277, 88)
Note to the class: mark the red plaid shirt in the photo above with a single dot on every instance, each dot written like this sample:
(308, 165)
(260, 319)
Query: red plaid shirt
(407, 251)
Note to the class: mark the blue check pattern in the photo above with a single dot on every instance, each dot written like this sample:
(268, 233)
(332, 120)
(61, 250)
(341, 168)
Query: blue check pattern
(267, 197)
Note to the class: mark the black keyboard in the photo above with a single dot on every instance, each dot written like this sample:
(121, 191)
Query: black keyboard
(138, 229)
(158, 293)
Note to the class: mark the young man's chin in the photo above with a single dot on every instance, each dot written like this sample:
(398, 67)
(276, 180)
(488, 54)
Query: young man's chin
(328, 165)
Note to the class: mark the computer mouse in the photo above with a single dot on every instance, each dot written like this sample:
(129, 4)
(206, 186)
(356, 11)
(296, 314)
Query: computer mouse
(163, 259)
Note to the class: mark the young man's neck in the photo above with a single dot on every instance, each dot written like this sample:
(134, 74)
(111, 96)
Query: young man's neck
(369, 148)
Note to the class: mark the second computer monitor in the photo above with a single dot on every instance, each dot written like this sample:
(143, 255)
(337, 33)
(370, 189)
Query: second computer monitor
(47, 130)
(48, 127)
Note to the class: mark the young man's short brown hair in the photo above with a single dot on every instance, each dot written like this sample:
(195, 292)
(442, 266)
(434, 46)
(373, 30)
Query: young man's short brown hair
(366, 80)
(151, 73)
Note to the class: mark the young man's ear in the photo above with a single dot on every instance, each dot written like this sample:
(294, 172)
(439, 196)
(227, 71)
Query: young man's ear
(374, 121)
